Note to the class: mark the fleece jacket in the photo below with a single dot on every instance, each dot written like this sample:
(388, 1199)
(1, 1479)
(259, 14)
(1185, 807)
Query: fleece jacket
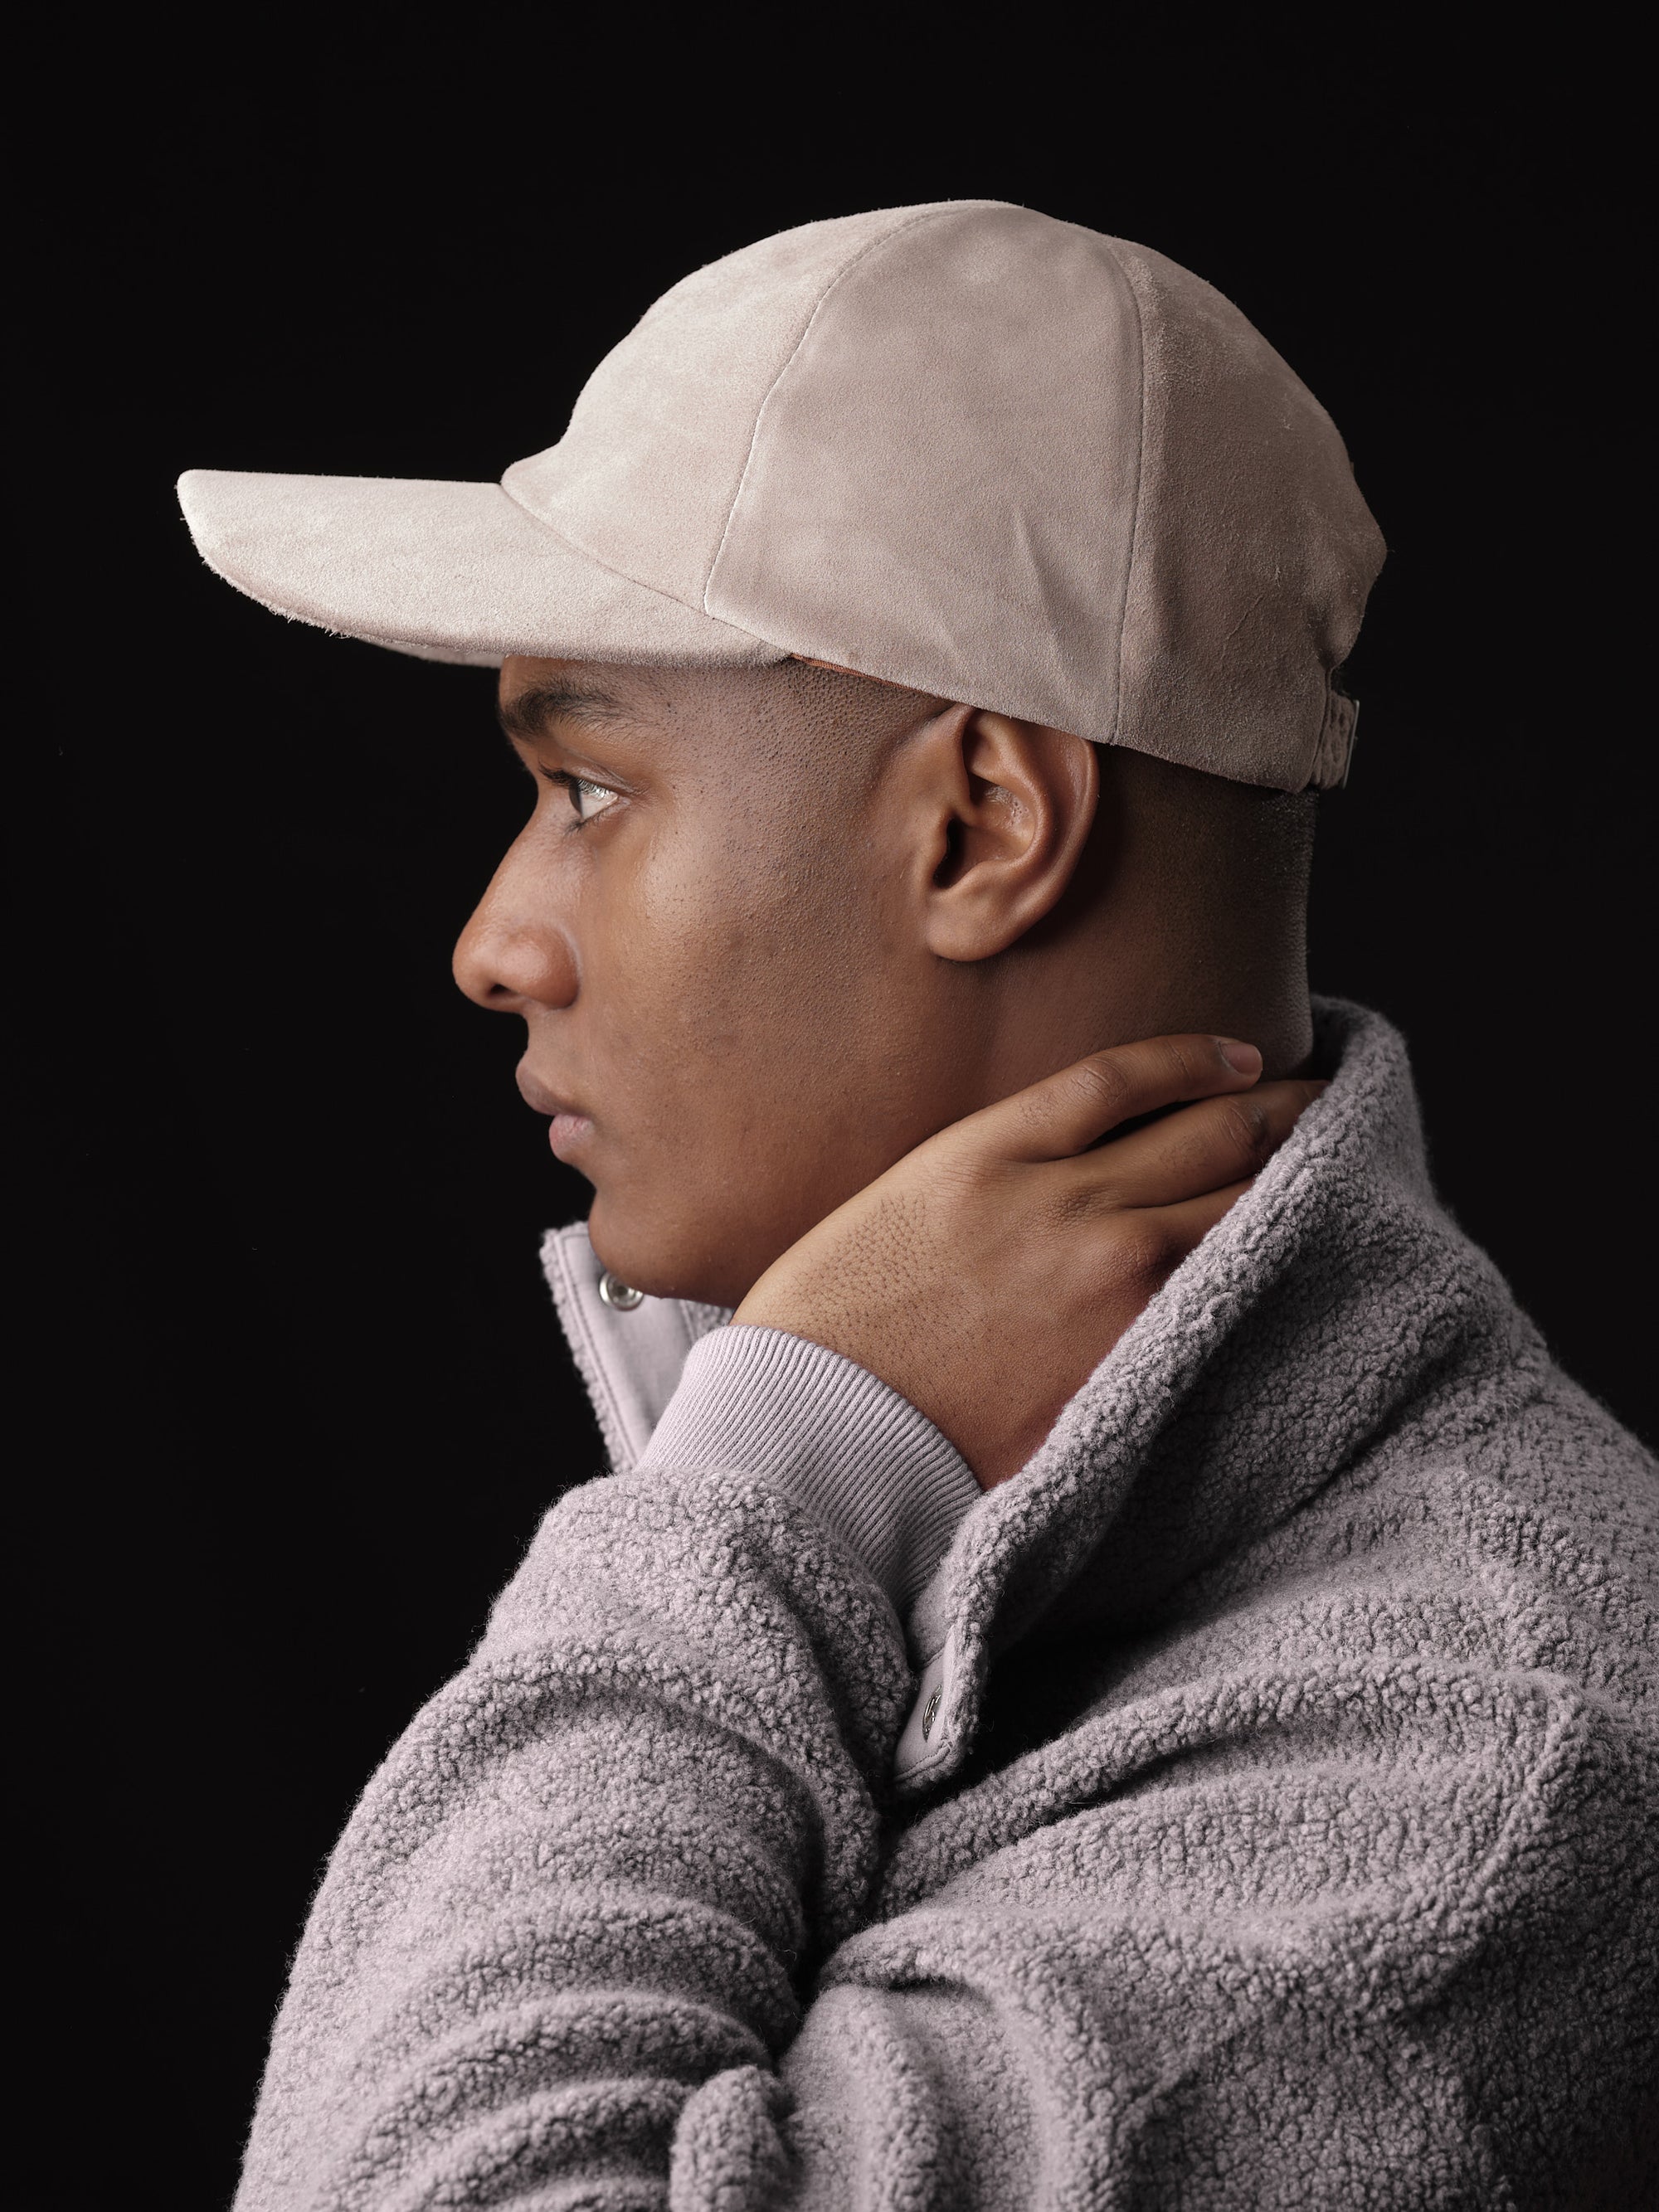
(1254, 1801)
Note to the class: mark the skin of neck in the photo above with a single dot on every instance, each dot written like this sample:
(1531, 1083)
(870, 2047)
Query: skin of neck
(769, 929)
(1187, 910)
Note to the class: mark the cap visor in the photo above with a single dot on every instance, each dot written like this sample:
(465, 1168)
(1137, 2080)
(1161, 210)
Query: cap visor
(449, 571)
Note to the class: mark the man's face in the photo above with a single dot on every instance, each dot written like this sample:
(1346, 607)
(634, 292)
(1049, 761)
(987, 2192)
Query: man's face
(706, 924)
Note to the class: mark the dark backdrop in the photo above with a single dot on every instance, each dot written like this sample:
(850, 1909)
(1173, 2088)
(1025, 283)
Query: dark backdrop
(308, 1403)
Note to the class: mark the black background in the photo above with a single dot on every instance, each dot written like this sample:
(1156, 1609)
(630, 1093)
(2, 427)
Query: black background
(307, 1403)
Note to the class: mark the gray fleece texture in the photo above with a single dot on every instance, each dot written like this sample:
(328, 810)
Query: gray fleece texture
(1285, 1834)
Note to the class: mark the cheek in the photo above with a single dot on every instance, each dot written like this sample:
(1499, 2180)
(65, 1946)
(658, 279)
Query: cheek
(732, 982)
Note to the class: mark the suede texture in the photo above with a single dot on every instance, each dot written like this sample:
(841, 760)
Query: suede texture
(1295, 1843)
(645, 476)
(1255, 555)
(945, 477)
(456, 572)
(961, 446)
(1016, 462)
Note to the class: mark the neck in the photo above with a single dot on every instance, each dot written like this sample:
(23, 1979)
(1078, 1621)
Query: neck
(1188, 912)
(1057, 1010)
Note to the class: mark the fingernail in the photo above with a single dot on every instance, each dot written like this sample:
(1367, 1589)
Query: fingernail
(1244, 1057)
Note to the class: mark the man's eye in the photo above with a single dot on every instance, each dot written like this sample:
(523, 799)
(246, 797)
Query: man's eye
(587, 799)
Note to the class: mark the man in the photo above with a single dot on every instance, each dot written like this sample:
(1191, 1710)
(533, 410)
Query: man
(1109, 1668)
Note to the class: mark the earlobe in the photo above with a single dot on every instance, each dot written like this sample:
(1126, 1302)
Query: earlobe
(1021, 800)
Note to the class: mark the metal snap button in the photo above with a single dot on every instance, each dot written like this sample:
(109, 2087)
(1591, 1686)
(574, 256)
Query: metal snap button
(929, 1715)
(620, 1296)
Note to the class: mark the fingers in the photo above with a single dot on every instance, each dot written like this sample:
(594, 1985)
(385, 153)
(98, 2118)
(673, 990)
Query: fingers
(1205, 1148)
(1184, 1227)
(1066, 1113)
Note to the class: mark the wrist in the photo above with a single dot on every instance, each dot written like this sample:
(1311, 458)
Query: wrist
(758, 1399)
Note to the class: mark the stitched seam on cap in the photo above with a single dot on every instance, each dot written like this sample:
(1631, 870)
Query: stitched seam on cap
(672, 598)
(933, 215)
(1140, 484)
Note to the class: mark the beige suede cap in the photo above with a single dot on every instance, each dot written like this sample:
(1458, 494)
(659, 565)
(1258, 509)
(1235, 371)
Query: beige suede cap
(962, 446)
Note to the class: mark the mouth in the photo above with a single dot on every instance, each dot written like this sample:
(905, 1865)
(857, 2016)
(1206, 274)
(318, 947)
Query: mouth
(570, 1125)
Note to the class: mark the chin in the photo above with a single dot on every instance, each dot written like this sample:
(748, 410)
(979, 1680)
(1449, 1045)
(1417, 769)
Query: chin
(671, 1258)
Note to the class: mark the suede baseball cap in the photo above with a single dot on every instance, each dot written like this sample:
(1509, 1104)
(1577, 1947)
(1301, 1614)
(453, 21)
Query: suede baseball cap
(963, 446)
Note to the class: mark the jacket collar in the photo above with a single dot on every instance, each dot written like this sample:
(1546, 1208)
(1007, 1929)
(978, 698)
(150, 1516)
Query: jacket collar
(630, 1356)
(1336, 1312)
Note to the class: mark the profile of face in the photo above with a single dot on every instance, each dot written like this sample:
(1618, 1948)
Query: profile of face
(764, 929)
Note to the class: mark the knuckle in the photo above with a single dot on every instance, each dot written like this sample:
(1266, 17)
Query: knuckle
(1100, 1085)
(1192, 1066)
(1067, 1211)
(1144, 1249)
(1034, 1109)
(964, 1177)
(1248, 1129)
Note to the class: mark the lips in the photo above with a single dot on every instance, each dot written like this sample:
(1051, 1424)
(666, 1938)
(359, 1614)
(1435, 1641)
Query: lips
(570, 1125)
(539, 1099)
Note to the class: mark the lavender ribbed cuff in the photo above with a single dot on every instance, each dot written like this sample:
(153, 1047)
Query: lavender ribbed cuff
(830, 1434)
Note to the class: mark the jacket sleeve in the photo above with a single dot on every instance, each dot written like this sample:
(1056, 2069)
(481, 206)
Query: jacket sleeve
(1323, 1899)
(594, 1872)
(1315, 1901)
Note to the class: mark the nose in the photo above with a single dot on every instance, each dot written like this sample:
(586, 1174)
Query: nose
(514, 953)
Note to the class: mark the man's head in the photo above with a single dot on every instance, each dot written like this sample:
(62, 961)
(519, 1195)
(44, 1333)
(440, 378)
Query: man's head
(977, 455)
(770, 928)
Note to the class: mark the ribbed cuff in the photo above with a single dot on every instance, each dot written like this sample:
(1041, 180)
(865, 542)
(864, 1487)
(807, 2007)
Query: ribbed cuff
(830, 1434)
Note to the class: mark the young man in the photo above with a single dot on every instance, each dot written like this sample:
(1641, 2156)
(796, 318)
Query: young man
(1109, 1668)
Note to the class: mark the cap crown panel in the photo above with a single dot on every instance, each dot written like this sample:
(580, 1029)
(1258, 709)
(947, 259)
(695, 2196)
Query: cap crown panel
(644, 478)
(943, 485)
(1256, 551)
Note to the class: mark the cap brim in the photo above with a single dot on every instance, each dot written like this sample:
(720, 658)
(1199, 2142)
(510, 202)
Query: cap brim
(448, 571)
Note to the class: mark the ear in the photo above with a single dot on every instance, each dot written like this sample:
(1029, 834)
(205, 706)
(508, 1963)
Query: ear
(1005, 809)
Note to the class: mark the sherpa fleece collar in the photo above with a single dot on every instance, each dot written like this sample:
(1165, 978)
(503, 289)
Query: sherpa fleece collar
(1334, 1295)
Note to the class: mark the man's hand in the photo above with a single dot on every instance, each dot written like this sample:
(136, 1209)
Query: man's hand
(987, 1272)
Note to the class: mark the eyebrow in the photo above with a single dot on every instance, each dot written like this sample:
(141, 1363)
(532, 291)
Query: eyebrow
(527, 713)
